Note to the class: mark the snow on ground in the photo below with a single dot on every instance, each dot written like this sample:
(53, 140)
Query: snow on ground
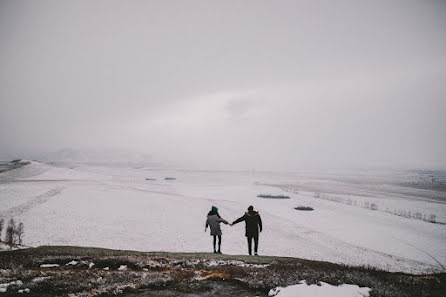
(116, 207)
(40, 279)
(320, 290)
(49, 265)
(4, 287)
(234, 263)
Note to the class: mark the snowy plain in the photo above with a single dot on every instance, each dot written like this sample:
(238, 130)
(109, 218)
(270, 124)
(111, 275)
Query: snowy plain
(320, 290)
(117, 207)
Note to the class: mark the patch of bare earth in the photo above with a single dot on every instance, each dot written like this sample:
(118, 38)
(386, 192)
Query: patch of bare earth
(79, 271)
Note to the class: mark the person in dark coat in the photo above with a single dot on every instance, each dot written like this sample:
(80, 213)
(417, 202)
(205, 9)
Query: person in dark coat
(213, 220)
(253, 227)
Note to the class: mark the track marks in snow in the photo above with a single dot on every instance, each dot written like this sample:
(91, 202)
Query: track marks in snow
(24, 207)
(130, 188)
(423, 251)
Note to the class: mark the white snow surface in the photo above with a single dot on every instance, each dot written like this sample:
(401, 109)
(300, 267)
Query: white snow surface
(49, 265)
(116, 207)
(4, 286)
(40, 279)
(321, 290)
(234, 263)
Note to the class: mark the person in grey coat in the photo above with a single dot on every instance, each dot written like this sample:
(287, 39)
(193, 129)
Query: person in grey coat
(213, 221)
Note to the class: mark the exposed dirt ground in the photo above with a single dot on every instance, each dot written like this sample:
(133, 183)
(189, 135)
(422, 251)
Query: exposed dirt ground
(103, 272)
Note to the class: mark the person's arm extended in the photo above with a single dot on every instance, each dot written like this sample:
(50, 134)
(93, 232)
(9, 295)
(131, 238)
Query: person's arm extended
(241, 219)
(222, 220)
(260, 223)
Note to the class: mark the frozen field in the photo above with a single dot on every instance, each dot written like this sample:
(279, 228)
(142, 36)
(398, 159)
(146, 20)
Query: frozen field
(393, 221)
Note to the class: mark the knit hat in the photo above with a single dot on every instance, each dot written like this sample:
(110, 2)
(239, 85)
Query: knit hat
(250, 208)
(214, 208)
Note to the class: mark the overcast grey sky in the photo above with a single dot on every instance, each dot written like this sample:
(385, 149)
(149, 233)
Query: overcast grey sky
(228, 84)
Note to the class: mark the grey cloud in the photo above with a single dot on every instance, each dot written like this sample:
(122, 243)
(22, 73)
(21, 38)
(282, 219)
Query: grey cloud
(252, 84)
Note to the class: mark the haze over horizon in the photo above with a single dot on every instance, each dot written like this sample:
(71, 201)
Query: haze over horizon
(254, 84)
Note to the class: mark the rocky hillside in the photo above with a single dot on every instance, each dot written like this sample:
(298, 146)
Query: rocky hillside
(80, 271)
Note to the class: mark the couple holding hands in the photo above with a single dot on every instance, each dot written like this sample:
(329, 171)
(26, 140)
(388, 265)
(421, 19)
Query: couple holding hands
(253, 227)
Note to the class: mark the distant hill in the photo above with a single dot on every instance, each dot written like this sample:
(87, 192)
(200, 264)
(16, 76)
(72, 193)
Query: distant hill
(70, 155)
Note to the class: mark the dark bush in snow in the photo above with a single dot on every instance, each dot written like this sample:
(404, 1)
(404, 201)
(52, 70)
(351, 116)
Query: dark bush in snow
(432, 218)
(9, 238)
(305, 208)
(2, 221)
(14, 233)
(19, 234)
(273, 196)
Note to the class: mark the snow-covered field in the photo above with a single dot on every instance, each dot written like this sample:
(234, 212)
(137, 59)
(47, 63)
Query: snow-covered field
(116, 207)
(320, 290)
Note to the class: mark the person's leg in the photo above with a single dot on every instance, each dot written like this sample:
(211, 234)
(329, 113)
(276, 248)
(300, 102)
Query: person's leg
(256, 243)
(219, 243)
(215, 240)
(249, 244)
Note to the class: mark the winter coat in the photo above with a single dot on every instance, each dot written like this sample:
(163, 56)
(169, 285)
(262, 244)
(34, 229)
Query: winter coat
(253, 223)
(213, 221)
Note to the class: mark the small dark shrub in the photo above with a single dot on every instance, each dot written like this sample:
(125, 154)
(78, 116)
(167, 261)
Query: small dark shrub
(9, 239)
(273, 196)
(2, 221)
(19, 234)
(306, 208)
(432, 218)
